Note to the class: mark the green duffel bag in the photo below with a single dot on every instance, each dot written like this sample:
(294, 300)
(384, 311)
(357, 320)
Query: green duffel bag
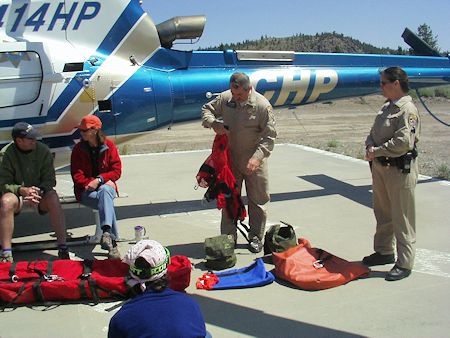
(279, 238)
(222, 263)
(219, 252)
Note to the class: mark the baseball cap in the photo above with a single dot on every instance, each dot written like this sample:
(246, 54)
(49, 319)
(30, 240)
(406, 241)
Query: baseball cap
(148, 260)
(90, 121)
(24, 130)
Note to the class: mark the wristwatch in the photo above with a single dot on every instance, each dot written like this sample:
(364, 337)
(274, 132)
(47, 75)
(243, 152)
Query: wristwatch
(100, 179)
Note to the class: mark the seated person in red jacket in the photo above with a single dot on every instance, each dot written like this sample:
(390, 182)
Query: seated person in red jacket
(27, 178)
(95, 167)
(157, 310)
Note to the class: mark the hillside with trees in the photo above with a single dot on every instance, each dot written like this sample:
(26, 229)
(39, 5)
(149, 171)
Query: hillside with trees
(323, 42)
(328, 43)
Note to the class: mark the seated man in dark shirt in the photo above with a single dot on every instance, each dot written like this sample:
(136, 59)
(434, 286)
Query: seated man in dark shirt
(27, 178)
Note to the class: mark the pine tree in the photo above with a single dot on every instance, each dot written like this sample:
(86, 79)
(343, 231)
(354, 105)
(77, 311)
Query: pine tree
(426, 34)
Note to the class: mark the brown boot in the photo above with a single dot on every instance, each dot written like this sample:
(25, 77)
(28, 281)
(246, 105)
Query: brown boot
(107, 243)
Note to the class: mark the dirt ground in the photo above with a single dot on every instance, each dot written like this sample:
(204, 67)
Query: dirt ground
(339, 126)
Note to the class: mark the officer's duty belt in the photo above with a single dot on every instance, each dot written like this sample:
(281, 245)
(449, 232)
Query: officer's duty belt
(389, 161)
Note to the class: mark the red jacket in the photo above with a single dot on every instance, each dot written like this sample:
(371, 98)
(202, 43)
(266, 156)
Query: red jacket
(109, 165)
(222, 185)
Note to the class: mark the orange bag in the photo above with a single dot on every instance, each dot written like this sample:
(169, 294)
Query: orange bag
(315, 269)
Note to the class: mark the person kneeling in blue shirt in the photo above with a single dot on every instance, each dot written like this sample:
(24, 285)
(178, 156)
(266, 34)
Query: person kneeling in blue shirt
(157, 310)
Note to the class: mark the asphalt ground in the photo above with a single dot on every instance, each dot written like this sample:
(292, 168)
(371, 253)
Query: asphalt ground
(326, 197)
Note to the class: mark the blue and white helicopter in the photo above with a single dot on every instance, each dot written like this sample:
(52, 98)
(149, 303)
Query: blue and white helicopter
(62, 60)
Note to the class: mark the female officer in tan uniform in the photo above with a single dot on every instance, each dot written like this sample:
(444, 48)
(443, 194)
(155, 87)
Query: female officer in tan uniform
(391, 148)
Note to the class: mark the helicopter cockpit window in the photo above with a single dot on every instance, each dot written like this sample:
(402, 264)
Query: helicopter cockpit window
(20, 78)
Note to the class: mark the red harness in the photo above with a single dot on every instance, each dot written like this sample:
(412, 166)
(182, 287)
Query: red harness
(216, 175)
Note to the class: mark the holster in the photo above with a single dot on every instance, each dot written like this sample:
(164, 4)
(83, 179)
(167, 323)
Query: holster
(402, 162)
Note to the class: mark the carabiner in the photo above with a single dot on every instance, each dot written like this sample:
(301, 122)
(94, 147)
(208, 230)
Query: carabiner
(318, 264)
(52, 278)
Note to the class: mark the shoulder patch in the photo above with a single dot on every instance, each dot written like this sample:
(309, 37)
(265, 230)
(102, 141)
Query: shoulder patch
(412, 121)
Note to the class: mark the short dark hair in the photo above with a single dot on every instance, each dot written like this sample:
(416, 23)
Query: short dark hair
(240, 80)
(396, 73)
(158, 285)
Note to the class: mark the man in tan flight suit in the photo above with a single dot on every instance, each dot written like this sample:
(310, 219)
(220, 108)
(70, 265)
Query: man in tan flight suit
(391, 148)
(247, 117)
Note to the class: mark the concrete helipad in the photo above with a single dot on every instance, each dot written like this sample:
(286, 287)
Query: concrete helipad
(326, 197)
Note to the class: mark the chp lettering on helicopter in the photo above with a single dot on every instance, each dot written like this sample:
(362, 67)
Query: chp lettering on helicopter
(62, 60)
(290, 86)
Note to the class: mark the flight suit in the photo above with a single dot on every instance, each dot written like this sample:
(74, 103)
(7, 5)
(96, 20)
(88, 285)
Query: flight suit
(252, 133)
(395, 132)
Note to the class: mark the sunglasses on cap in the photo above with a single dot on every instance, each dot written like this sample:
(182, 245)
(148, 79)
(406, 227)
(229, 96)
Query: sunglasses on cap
(143, 272)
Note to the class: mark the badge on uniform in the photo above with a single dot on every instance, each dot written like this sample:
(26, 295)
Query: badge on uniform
(412, 121)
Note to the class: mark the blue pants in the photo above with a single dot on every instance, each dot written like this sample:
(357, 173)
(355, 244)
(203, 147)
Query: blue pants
(103, 200)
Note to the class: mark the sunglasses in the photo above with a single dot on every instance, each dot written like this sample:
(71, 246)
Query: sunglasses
(383, 83)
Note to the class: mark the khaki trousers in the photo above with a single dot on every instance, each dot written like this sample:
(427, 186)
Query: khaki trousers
(257, 188)
(394, 208)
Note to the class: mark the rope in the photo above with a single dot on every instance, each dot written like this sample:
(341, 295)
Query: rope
(429, 111)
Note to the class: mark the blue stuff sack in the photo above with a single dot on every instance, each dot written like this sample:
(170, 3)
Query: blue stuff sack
(247, 277)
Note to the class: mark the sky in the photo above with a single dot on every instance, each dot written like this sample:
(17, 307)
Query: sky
(377, 22)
